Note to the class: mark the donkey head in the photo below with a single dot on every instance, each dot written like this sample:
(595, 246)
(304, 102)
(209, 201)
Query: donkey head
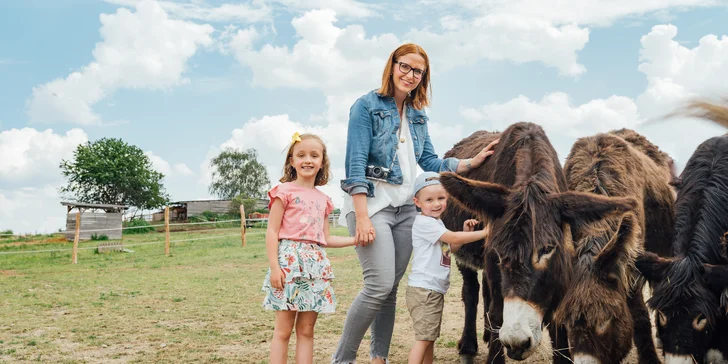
(594, 310)
(531, 240)
(687, 299)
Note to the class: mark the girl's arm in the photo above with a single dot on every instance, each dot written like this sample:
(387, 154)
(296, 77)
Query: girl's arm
(333, 241)
(271, 243)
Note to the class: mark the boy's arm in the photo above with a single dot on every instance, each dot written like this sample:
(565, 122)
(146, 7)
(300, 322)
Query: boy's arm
(463, 237)
(333, 241)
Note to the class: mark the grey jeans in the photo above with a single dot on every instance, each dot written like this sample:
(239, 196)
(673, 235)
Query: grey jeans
(383, 264)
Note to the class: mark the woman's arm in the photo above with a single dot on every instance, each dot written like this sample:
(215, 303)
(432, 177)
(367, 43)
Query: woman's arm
(358, 143)
(467, 164)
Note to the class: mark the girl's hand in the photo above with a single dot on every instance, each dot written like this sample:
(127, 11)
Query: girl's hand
(469, 225)
(484, 153)
(277, 278)
(365, 233)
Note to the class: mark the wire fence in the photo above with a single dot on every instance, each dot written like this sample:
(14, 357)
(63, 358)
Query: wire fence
(118, 244)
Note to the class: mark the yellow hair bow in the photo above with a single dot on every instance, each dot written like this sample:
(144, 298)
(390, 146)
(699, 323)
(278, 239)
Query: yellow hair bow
(296, 137)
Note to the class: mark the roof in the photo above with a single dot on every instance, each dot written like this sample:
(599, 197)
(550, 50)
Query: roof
(185, 202)
(93, 205)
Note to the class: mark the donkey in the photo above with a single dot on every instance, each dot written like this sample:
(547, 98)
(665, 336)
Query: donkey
(521, 192)
(690, 293)
(603, 309)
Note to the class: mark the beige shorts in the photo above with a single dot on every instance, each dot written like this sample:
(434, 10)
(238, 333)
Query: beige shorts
(425, 307)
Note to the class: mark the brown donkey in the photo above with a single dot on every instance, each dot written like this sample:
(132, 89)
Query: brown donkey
(521, 191)
(603, 309)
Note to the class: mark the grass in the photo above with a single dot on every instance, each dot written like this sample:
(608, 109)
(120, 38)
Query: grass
(201, 304)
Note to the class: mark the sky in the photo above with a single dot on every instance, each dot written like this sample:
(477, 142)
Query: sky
(183, 79)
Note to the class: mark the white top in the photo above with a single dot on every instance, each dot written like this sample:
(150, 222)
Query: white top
(430, 256)
(386, 194)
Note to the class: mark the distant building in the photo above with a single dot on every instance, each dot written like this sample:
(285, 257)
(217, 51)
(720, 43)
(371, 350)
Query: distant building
(183, 210)
(97, 217)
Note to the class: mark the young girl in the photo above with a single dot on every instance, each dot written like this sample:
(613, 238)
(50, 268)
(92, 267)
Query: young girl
(298, 283)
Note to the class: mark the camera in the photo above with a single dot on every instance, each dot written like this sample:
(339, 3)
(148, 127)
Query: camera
(377, 173)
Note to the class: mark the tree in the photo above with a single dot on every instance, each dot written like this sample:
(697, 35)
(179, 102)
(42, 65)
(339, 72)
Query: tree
(238, 173)
(110, 171)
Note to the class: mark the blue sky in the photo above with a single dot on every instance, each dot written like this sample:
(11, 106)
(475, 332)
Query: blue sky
(182, 79)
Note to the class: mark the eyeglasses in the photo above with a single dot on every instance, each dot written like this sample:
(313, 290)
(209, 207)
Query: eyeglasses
(405, 68)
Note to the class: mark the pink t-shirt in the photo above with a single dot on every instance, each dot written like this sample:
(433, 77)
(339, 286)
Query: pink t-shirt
(305, 211)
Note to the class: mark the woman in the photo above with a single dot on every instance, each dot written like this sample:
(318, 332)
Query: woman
(387, 139)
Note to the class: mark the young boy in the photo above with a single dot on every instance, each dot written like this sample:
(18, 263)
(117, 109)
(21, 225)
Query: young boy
(429, 279)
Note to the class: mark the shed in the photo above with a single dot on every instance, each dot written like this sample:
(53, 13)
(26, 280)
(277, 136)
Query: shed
(94, 217)
(182, 210)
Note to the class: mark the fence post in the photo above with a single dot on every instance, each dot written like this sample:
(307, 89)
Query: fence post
(166, 230)
(242, 223)
(75, 239)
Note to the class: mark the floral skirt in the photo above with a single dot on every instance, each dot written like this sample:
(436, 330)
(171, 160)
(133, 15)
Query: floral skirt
(308, 276)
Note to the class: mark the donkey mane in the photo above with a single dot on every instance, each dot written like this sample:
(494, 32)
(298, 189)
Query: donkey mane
(700, 216)
(537, 173)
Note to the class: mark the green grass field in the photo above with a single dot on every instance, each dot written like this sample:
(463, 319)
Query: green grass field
(201, 304)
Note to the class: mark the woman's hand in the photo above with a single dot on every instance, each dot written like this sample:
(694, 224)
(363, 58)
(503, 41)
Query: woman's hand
(277, 278)
(483, 154)
(365, 233)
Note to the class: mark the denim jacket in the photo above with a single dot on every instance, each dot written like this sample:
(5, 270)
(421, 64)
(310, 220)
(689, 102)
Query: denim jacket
(372, 137)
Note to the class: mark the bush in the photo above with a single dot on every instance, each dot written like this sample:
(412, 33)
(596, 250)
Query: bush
(248, 204)
(6, 234)
(99, 237)
(138, 230)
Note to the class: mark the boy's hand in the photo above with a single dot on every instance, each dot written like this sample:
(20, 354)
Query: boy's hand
(469, 225)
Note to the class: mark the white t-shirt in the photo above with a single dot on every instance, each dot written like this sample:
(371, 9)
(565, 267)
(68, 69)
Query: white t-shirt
(386, 194)
(430, 256)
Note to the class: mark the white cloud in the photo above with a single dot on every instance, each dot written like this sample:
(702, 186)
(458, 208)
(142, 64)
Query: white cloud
(241, 13)
(31, 157)
(140, 50)
(162, 166)
(583, 12)
(504, 37)
(675, 72)
(326, 57)
(349, 8)
(556, 113)
(32, 210)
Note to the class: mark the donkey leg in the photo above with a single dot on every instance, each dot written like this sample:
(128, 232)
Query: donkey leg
(468, 343)
(559, 344)
(642, 329)
(496, 353)
(486, 304)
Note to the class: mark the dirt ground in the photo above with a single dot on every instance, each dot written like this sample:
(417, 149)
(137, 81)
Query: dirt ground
(200, 305)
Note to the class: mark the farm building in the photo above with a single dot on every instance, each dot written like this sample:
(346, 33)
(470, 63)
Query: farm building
(182, 210)
(94, 217)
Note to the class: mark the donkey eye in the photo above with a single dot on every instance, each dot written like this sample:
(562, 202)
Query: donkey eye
(661, 319)
(545, 250)
(699, 322)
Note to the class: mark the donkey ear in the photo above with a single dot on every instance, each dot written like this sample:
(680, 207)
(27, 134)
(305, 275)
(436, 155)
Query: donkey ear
(716, 276)
(652, 266)
(479, 197)
(587, 207)
(618, 248)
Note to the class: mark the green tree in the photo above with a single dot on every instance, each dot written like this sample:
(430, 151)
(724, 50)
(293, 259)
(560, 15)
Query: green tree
(238, 173)
(248, 204)
(110, 171)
